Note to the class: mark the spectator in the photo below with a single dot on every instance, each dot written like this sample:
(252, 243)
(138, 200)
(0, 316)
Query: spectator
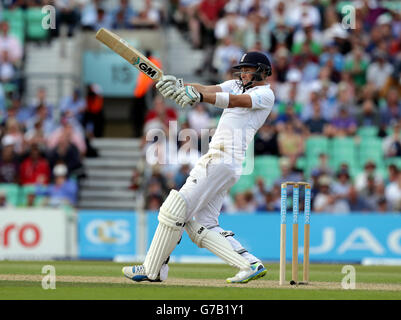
(149, 17)
(13, 129)
(67, 13)
(382, 205)
(266, 142)
(89, 14)
(36, 135)
(258, 31)
(244, 202)
(68, 130)
(371, 194)
(391, 111)
(153, 202)
(9, 166)
(280, 15)
(21, 113)
(342, 125)
(393, 194)
(63, 191)
(323, 167)
(358, 203)
(392, 143)
(136, 179)
(368, 115)
(226, 55)
(260, 192)
(287, 172)
(290, 142)
(293, 83)
(3, 200)
(41, 100)
(379, 71)
(66, 152)
(281, 64)
(93, 117)
(208, 13)
(7, 68)
(332, 56)
(307, 41)
(35, 168)
(289, 106)
(74, 105)
(393, 171)
(342, 185)
(123, 15)
(316, 125)
(304, 11)
(357, 66)
(325, 201)
(103, 20)
(10, 44)
(159, 116)
(361, 180)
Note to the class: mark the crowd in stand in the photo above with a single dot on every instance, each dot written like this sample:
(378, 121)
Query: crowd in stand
(330, 79)
(332, 75)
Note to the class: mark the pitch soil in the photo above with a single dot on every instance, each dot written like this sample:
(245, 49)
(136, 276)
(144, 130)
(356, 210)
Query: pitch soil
(262, 284)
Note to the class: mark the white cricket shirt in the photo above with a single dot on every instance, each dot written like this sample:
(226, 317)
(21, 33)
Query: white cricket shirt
(237, 126)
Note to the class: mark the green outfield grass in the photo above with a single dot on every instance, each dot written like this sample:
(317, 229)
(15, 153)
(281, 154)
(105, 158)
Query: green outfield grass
(379, 282)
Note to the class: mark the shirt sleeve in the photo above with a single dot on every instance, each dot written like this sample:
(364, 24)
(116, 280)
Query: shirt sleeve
(262, 98)
(228, 86)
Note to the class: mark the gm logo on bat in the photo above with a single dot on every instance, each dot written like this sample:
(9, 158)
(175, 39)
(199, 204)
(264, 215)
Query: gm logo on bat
(145, 68)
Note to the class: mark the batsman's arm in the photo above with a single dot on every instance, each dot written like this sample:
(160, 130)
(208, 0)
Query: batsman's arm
(209, 96)
(234, 101)
(204, 89)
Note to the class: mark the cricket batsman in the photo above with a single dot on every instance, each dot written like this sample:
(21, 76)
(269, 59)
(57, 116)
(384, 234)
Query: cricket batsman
(247, 102)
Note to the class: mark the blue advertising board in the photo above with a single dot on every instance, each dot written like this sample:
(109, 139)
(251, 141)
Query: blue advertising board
(334, 238)
(103, 235)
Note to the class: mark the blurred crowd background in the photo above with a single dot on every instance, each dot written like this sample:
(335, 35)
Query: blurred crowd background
(336, 120)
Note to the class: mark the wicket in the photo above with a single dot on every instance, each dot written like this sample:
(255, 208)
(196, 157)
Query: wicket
(295, 209)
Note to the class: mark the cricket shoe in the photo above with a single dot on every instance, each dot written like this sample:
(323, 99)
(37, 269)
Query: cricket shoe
(256, 271)
(138, 273)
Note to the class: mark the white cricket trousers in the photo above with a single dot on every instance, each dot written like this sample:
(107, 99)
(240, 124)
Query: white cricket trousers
(204, 191)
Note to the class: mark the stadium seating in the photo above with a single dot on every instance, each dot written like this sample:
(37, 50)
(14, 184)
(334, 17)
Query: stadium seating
(267, 167)
(370, 149)
(342, 150)
(11, 191)
(35, 31)
(25, 191)
(367, 132)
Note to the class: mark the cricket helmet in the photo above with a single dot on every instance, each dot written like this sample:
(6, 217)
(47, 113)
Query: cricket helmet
(257, 60)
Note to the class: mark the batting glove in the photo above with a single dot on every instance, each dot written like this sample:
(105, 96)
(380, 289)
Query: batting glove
(168, 85)
(187, 95)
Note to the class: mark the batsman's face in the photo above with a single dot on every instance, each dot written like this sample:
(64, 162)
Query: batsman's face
(247, 74)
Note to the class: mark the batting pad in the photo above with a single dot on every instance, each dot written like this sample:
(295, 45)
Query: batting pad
(171, 222)
(216, 243)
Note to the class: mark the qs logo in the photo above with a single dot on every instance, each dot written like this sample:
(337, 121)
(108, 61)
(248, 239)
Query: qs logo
(108, 231)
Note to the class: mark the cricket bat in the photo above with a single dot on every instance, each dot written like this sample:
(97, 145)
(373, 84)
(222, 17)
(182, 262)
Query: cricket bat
(129, 53)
